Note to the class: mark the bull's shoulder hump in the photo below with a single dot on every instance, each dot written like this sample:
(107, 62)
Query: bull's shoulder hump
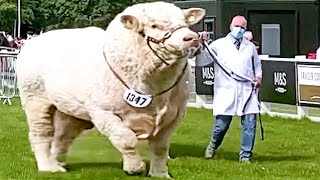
(69, 38)
(73, 35)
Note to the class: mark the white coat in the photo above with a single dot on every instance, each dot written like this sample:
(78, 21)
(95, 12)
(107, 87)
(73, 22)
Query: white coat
(230, 95)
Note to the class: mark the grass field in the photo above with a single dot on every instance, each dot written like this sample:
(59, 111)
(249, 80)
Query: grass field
(291, 150)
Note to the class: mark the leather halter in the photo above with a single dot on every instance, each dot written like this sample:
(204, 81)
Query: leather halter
(158, 41)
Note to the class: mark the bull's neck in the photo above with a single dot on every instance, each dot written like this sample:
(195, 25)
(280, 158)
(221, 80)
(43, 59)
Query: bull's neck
(163, 79)
(143, 72)
(138, 66)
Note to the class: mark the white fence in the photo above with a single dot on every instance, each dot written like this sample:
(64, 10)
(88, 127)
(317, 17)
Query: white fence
(8, 82)
(272, 109)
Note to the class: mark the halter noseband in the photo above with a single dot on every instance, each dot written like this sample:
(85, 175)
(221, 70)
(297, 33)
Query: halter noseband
(157, 41)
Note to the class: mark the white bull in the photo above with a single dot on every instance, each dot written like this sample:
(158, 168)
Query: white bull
(128, 81)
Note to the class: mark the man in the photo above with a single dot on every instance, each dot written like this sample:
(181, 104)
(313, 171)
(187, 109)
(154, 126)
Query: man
(233, 97)
(248, 35)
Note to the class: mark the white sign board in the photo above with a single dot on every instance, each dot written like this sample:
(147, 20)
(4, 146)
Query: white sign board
(309, 84)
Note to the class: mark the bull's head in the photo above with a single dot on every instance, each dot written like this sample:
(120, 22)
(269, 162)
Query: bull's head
(166, 30)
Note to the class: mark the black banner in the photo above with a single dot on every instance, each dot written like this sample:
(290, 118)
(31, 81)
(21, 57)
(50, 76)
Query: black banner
(278, 82)
(204, 79)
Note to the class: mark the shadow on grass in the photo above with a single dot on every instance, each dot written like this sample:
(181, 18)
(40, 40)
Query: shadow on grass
(184, 150)
(188, 150)
(114, 166)
(270, 158)
(197, 151)
(233, 156)
(89, 165)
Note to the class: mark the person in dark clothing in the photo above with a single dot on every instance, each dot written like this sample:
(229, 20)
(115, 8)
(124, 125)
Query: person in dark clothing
(3, 41)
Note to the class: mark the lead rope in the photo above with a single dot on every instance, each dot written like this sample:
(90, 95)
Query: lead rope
(257, 92)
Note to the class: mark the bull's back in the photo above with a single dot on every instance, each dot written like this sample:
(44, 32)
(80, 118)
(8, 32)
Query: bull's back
(62, 46)
(61, 64)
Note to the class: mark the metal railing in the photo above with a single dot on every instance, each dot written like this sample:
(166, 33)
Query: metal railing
(8, 81)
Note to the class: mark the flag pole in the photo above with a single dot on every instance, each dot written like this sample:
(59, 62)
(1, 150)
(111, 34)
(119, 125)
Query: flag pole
(19, 17)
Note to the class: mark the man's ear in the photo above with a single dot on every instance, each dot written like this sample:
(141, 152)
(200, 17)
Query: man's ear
(130, 22)
(193, 15)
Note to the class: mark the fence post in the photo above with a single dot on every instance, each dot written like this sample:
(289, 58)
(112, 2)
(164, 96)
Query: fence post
(265, 107)
(302, 112)
(200, 100)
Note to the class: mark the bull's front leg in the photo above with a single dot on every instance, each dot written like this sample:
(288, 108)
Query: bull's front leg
(160, 144)
(122, 138)
(159, 149)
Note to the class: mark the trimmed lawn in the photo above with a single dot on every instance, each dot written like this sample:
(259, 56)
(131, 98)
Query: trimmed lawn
(291, 150)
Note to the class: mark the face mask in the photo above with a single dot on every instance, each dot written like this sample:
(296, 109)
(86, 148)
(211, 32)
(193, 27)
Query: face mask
(237, 32)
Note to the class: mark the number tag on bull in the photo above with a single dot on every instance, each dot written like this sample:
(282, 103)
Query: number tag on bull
(135, 99)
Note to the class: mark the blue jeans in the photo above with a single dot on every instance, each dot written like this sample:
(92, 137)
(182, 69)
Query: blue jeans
(221, 127)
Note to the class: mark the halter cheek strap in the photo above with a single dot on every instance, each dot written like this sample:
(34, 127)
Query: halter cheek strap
(150, 39)
(156, 41)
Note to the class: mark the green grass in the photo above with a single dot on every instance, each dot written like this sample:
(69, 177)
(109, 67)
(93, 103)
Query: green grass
(291, 150)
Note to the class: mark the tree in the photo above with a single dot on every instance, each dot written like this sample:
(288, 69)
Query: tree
(55, 14)
(8, 13)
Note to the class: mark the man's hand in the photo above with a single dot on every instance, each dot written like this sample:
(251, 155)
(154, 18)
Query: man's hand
(257, 83)
(203, 36)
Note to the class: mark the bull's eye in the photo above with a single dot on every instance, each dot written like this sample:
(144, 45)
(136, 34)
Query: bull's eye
(155, 26)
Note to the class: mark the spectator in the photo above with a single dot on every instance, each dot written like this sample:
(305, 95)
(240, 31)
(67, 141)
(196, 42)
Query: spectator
(248, 35)
(10, 40)
(3, 40)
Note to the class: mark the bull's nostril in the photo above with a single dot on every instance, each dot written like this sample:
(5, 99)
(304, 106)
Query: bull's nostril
(195, 44)
(188, 38)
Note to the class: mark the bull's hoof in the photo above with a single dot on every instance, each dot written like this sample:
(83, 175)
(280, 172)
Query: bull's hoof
(160, 175)
(62, 164)
(51, 167)
(61, 160)
(134, 173)
(134, 167)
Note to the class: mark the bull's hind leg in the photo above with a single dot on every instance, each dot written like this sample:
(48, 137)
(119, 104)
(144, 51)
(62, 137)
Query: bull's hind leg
(122, 138)
(39, 114)
(66, 129)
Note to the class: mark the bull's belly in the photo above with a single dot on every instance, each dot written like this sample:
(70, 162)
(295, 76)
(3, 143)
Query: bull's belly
(142, 124)
(73, 92)
(148, 123)
(70, 105)
(79, 113)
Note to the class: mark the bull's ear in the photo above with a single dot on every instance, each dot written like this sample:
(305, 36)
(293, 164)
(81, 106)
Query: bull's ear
(193, 15)
(130, 22)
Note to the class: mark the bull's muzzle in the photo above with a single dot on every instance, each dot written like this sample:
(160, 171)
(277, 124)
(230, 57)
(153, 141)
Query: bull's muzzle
(192, 39)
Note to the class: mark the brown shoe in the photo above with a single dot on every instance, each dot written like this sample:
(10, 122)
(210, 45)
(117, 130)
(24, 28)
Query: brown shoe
(245, 160)
(209, 154)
